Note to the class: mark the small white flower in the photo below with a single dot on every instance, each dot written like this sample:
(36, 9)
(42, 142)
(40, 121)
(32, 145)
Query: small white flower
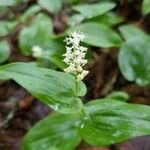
(82, 75)
(36, 51)
(70, 69)
(83, 49)
(75, 55)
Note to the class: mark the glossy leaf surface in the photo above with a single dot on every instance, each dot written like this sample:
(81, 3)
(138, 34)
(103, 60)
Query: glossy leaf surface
(113, 121)
(56, 89)
(55, 132)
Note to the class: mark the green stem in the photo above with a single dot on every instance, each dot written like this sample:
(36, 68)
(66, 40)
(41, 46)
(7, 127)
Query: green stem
(76, 88)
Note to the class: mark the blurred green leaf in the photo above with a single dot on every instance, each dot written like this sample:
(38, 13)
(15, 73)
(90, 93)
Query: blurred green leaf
(146, 7)
(97, 35)
(134, 59)
(11, 2)
(75, 19)
(20, 1)
(93, 10)
(57, 60)
(7, 2)
(6, 27)
(55, 89)
(72, 1)
(53, 6)
(56, 131)
(29, 13)
(113, 121)
(2, 8)
(38, 34)
(118, 95)
(131, 31)
(4, 51)
(108, 19)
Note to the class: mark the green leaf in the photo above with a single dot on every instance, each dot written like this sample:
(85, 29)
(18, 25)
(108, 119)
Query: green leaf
(71, 2)
(131, 31)
(93, 10)
(56, 89)
(4, 51)
(29, 13)
(57, 60)
(53, 51)
(113, 121)
(108, 19)
(134, 60)
(55, 132)
(97, 35)
(118, 95)
(75, 19)
(7, 2)
(53, 6)
(38, 34)
(146, 7)
(20, 1)
(6, 27)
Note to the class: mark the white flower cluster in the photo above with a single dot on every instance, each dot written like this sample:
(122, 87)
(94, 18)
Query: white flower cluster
(75, 55)
(37, 51)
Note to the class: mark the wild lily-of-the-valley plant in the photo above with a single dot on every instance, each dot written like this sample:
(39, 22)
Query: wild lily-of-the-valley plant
(99, 122)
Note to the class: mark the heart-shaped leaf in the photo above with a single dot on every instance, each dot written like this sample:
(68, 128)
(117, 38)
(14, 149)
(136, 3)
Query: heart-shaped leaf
(146, 7)
(6, 27)
(93, 10)
(55, 132)
(4, 51)
(118, 95)
(56, 89)
(29, 13)
(134, 59)
(7, 2)
(53, 6)
(97, 35)
(113, 121)
(131, 31)
(38, 34)
(108, 19)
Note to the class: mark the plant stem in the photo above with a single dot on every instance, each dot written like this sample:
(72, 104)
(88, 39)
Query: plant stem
(76, 88)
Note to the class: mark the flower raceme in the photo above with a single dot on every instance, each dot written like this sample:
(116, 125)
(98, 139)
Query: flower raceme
(75, 55)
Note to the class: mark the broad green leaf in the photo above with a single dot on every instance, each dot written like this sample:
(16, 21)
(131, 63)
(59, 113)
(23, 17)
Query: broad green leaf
(108, 19)
(56, 89)
(97, 35)
(4, 51)
(30, 12)
(6, 27)
(7, 2)
(134, 59)
(38, 34)
(72, 1)
(113, 121)
(75, 19)
(53, 6)
(146, 7)
(20, 1)
(93, 10)
(55, 132)
(57, 60)
(131, 31)
(118, 95)
(53, 51)
(2, 8)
